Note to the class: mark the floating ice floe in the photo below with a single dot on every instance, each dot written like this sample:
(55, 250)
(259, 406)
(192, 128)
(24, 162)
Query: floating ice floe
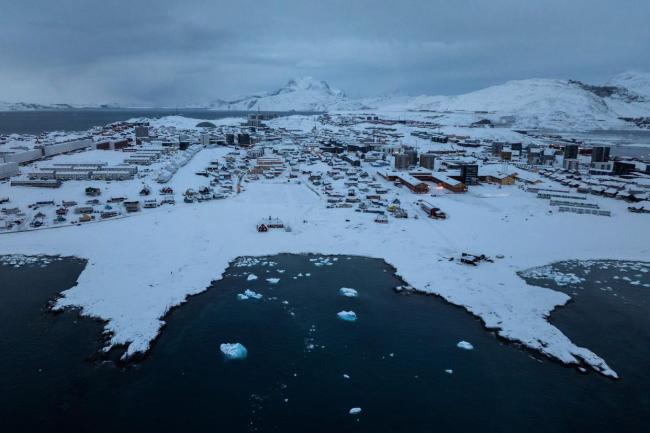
(355, 411)
(272, 280)
(249, 294)
(18, 260)
(323, 261)
(346, 376)
(246, 262)
(251, 277)
(348, 316)
(348, 293)
(233, 350)
(547, 272)
(449, 371)
(465, 345)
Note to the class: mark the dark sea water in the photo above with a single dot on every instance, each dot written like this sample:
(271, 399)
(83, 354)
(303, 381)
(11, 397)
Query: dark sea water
(36, 122)
(396, 355)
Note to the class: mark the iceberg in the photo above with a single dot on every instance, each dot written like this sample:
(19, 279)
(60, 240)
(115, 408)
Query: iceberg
(249, 294)
(465, 345)
(272, 280)
(348, 293)
(233, 350)
(348, 316)
(251, 277)
(355, 411)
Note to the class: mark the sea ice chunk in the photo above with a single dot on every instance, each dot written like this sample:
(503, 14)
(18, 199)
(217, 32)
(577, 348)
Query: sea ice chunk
(249, 294)
(465, 345)
(233, 350)
(348, 316)
(251, 277)
(348, 293)
(272, 280)
(355, 411)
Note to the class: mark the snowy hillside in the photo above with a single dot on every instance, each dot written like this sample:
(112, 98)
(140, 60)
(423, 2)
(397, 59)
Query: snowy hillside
(545, 103)
(29, 106)
(635, 82)
(305, 94)
(26, 106)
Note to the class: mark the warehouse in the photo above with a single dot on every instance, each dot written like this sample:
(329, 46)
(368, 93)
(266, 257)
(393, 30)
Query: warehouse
(111, 175)
(8, 169)
(52, 183)
(444, 181)
(412, 183)
(68, 146)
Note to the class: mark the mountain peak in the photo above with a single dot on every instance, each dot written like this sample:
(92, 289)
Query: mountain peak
(309, 84)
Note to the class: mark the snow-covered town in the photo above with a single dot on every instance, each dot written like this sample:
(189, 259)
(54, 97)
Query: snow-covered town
(442, 204)
(298, 216)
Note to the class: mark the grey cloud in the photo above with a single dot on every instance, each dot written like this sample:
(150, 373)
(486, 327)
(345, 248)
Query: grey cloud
(171, 52)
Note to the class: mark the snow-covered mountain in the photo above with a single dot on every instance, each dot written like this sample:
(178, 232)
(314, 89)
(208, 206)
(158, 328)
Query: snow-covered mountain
(26, 106)
(544, 103)
(304, 94)
(30, 106)
(531, 103)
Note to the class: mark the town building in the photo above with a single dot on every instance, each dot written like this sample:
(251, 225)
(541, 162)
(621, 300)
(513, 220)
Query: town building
(621, 168)
(571, 151)
(571, 164)
(469, 174)
(428, 160)
(8, 169)
(600, 154)
(141, 132)
(402, 161)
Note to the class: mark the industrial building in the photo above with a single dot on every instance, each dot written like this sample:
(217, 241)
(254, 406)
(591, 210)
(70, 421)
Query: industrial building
(8, 169)
(43, 151)
(411, 182)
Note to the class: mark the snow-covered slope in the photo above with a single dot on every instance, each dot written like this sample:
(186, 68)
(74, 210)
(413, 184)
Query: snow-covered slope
(305, 94)
(544, 103)
(30, 106)
(26, 106)
(634, 81)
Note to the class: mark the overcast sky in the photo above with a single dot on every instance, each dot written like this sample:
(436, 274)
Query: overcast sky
(174, 52)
